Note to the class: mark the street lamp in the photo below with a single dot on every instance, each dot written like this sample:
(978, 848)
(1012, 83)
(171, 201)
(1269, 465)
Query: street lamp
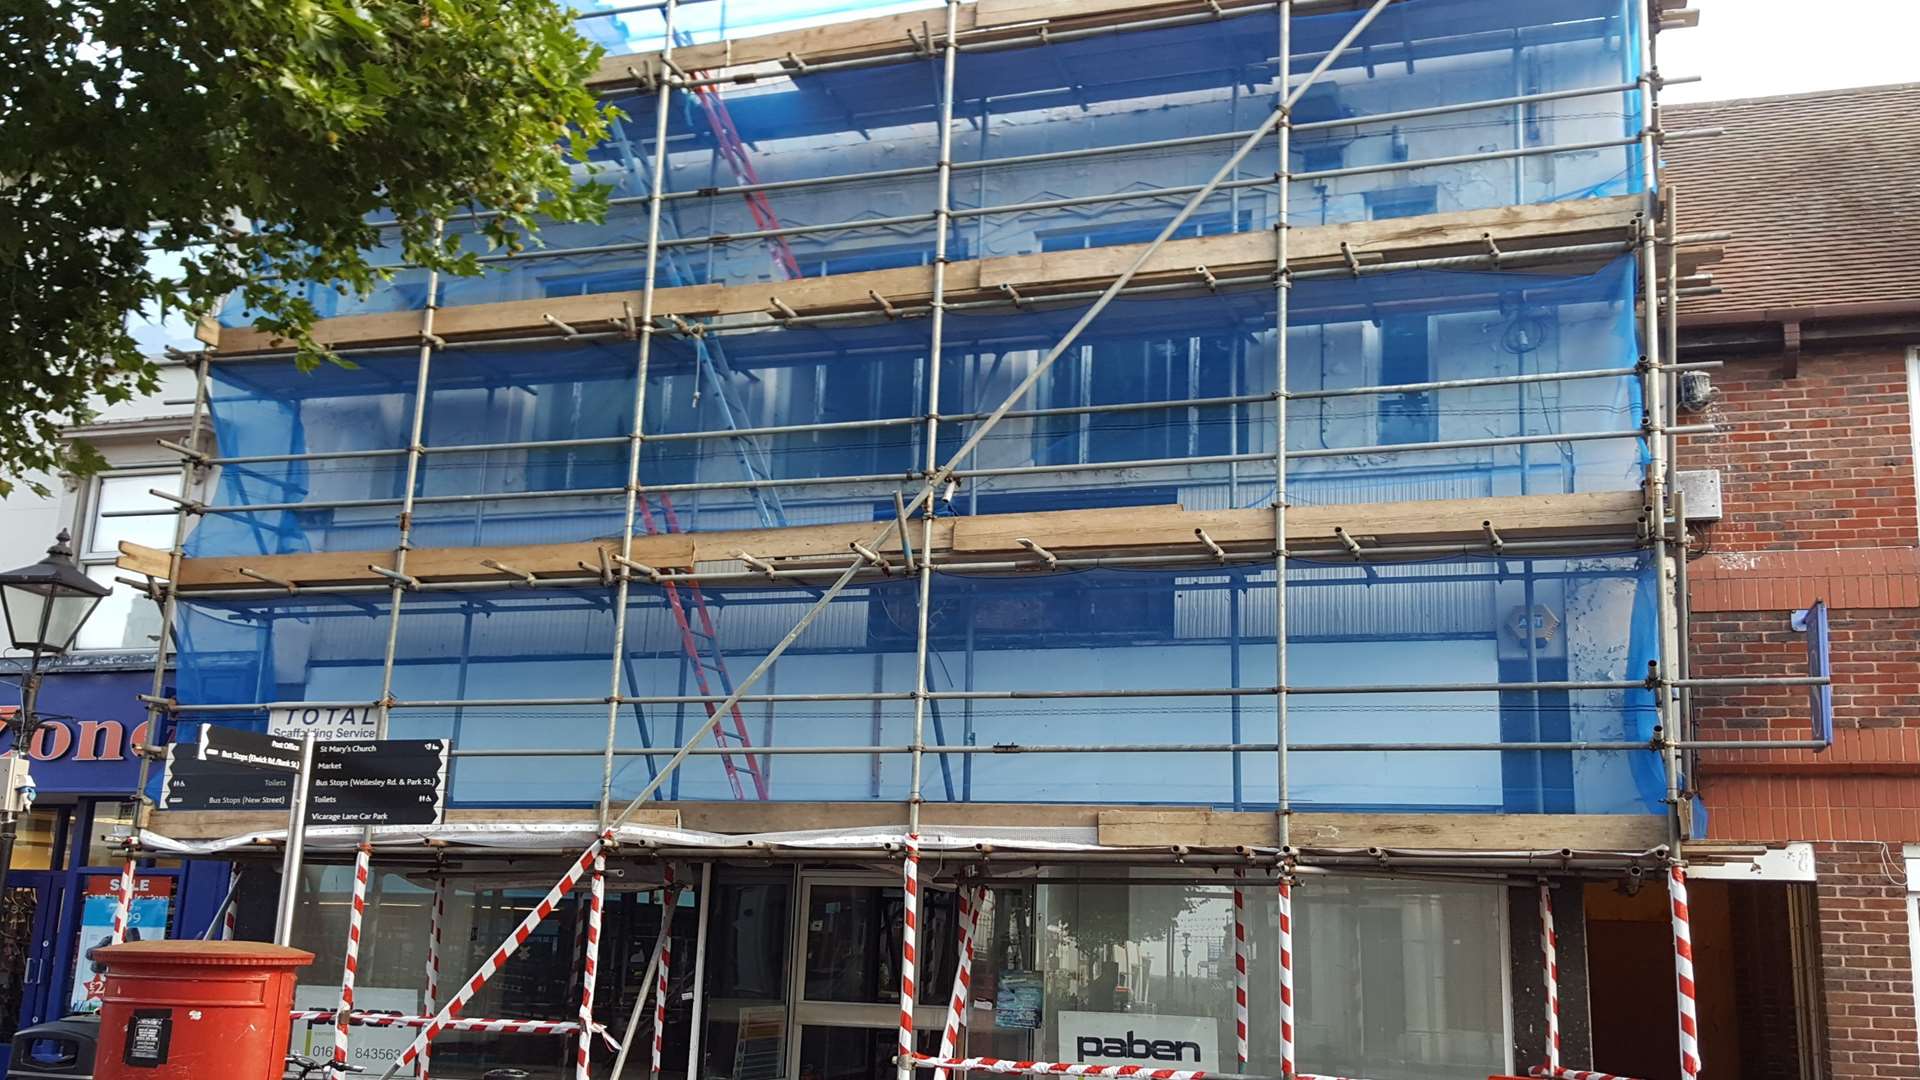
(45, 606)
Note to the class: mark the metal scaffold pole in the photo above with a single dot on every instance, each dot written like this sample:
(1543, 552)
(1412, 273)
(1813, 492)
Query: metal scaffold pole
(949, 57)
(157, 705)
(644, 329)
(416, 453)
(1654, 400)
(1282, 294)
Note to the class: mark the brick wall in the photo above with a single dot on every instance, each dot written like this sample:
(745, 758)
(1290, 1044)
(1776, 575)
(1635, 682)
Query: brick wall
(1821, 460)
(1865, 963)
(1817, 479)
(1867, 785)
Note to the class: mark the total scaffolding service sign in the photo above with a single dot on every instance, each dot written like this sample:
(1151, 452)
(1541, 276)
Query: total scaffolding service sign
(324, 724)
(1177, 1042)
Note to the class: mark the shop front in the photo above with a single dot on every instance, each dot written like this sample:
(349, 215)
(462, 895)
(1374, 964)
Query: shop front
(58, 901)
(798, 970)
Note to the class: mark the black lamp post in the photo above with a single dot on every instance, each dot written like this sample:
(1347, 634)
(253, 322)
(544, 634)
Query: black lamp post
(45, 606)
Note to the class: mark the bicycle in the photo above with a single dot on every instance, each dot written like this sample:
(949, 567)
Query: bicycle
(301, 1068)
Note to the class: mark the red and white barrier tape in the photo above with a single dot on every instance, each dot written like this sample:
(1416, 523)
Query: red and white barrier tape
(909, 944)
(122, 902)
(1240, 970)
(495, 1027)
(1286, 978)
(230, 912)
(971, 903)
(436, 931)
(355, 915)
(589, 967)
(541, 911)
(1573, 1074)
(1550, 958)
(669, 900)
(1683, 974)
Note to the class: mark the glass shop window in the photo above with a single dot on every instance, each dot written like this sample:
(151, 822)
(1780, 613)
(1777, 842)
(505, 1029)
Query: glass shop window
(125, 619)
(1394, 979)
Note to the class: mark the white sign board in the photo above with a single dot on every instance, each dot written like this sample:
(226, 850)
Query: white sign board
(1174, 1042)
(371, 1048)
(323, 723)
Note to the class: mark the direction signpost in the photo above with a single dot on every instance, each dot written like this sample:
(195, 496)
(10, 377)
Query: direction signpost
(344, 781)
(353, 782)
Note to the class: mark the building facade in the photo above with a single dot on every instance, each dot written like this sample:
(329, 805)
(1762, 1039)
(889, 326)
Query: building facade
(84, 759)
(1817, 325)
(1165, 472)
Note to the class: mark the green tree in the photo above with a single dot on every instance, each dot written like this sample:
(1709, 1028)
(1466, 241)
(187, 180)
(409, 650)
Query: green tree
(257, 139)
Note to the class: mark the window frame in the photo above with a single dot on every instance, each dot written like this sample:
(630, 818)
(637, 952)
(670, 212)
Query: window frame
(86, 554)
(1913, 421)
(1912, 851)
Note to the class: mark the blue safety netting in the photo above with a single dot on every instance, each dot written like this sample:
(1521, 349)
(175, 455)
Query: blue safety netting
(1202, 82)
(871, 382)
(1444, 622)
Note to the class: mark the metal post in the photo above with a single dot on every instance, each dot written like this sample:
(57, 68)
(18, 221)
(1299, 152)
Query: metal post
(639, 1009)
(296, 844)
(404, 542)
(1550, 971)
(909, 953)
(436, 931)
(590, 972)
(221, 926)
(663, 983)
(663, 108)
(350, 969)
(1688, 1006)
(937, 341)
(170, 606)
(1282, 294)
(699, 971)
(1653, 385)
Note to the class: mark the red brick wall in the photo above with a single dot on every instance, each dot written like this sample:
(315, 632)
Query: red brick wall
(1818, 485)
(1821, 460)
(1865, 963)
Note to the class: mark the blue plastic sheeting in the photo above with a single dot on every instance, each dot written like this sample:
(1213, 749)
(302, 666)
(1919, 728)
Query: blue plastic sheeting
(1450, 622)
(1110, 90)
(1399, 328)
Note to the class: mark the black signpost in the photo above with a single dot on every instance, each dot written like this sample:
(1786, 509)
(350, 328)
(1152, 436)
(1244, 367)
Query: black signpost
(345, 782)
(379, 782)
(354, 782)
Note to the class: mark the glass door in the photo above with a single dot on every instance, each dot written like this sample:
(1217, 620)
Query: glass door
(847, 955)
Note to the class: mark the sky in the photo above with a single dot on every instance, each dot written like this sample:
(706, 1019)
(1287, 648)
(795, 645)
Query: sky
(1757, 48)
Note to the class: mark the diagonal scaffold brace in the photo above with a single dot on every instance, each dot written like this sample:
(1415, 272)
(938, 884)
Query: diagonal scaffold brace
(945, 472)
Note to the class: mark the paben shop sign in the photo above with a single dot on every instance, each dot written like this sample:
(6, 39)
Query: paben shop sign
(1186, 1042)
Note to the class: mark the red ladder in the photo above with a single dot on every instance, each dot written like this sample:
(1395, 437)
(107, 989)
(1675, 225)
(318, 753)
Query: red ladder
(691, 646)
(733, 150)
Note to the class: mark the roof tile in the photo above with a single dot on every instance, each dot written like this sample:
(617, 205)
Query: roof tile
(1821, 192)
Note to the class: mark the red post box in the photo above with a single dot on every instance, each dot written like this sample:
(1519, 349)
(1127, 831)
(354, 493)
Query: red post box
(191, 1010)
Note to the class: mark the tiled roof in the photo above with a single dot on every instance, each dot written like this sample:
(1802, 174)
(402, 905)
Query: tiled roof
(1821, 192)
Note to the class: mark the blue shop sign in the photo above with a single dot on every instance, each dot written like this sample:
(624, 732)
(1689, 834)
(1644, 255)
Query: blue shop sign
(91, 725)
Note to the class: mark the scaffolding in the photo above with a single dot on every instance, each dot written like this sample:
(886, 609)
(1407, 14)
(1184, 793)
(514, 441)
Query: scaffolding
(910, 541)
